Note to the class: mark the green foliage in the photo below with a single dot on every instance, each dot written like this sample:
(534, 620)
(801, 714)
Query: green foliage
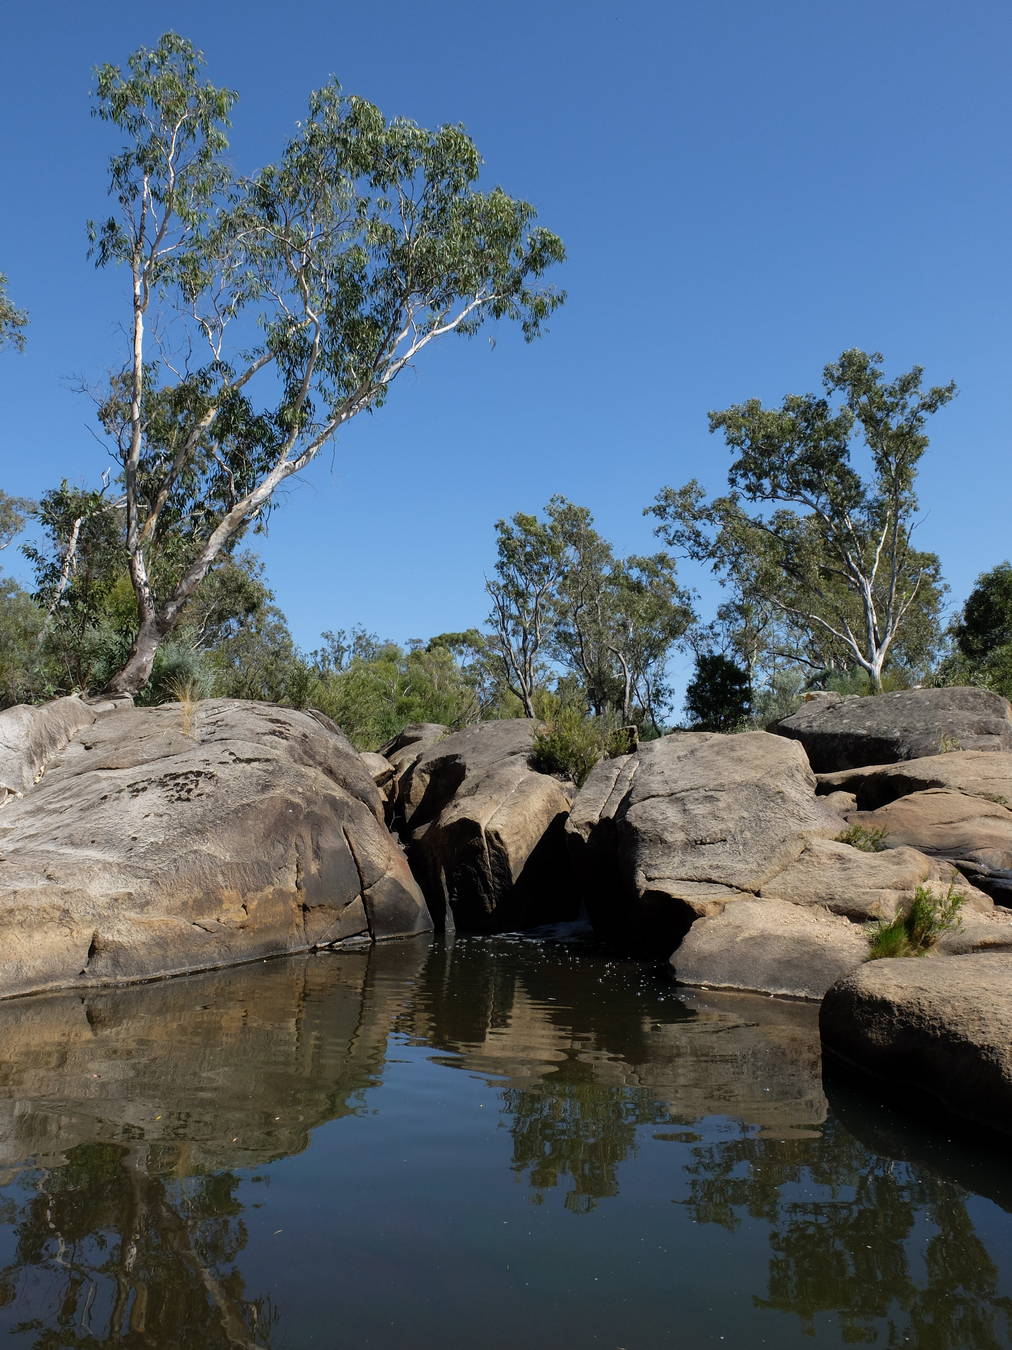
(570, 743)
(917, 929)
(717, 698)
(22, 674)
(12, 320)
(825, 558)
(867, 840)
(372, 689)
(366, 240)
(14, 512)
(858, 682)
(986, 619)
(561, 597)
(180, 671)
(982, 635)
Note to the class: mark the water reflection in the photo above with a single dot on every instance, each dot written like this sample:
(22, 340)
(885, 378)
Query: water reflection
(154, 1139)
(131, 1258)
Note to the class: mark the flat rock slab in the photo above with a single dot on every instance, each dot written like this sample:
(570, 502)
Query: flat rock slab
(770, 946)
(946, 824)
(165, 840)
(862, 886)
(840, 732)
(977, 773)
(940, 1025)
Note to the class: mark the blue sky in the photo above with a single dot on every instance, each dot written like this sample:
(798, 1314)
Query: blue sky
(744, 191)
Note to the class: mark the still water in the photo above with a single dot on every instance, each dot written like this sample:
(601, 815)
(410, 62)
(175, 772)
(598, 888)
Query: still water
(490, 1143)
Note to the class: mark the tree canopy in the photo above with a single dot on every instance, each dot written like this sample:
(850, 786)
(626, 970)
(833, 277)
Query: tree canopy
(811, 534)
(982, 633)
(13, 321)
(299, 294)
(561, 598)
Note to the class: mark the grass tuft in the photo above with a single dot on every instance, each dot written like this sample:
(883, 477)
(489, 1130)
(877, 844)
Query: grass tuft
(187, 693)
(916, 930)
(868, 841)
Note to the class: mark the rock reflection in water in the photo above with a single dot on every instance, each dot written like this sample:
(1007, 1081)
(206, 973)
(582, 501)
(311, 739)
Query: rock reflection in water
(650, 1128)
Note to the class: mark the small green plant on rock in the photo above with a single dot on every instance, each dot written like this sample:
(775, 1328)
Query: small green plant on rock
(917, 929)
(867, 840)
(948, 744)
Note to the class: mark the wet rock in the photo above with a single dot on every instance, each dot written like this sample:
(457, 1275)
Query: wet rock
(942, 1027)
(840, 732)
(173, 839)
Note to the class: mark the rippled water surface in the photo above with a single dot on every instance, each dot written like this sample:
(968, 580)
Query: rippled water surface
(492, 1143)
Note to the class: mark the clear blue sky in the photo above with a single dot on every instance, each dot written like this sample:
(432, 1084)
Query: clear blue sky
(744, 190)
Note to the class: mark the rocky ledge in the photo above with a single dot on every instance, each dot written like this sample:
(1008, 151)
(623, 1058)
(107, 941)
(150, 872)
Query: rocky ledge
(172, 839)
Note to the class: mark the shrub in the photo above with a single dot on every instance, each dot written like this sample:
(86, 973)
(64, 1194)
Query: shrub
(570, 743)
(868, 841)
(918, 928)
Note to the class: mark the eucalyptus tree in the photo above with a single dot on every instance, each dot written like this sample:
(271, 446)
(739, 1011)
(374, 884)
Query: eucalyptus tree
(561, 596)
(267, 311)
(982, 634)
(14, 513)
(834, 554)
(530, 559)
(12, 319)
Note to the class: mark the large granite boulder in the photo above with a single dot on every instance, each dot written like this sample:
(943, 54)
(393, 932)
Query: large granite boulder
(848, 732)
(687, 824)
(941, 1027)
(772, 946)
(484, 830)
(171, 839)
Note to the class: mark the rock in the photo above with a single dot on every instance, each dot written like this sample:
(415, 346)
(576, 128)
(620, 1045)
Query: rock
(841, 732)
(164, 841)
(421, 734)
(381, 771)
(484, 830)
(404, 752)
(978, 932)
(30, 737)
(942, 1027)
(688, 823)
(770, 946)
(977, 773)
(864, 886)
(946, 824)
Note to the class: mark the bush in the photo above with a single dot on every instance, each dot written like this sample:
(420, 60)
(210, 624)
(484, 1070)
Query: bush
(868, 841)
(570, 743)
(918, 928)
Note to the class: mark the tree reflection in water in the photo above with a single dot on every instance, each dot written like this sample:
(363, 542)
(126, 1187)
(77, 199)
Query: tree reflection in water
(144, 1115)
(110, 1254)
(889, 1249)
(574, 1132)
